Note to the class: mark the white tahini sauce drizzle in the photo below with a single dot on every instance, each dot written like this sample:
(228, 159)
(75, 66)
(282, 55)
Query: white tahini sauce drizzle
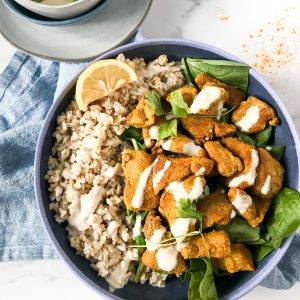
(156, 238)
(249, 119)
(268, 148)
(148, 143)
(138, 197)
(167, 258)
(266, 186)
(249, 177)
(167, 145)
(205, 98)
(232, 214)
(153, 132)
(136, 230)
(191, 149)
(177, 189)
(160, 174)
(200, 172)
(181, 227)
(242, 202)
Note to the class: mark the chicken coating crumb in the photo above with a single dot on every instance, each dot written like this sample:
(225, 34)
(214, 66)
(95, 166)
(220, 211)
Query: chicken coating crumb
(250, 160)
(178, 168)
(149, 260)
(142, 116)
(183, 145)
(134, 162)
(240, 259)
(236, 96)
(242, 203)
(227, 164)
(262, 115)
(204, 129)
(269, 176)
(216, 209)
(213, 244)
(189, 93)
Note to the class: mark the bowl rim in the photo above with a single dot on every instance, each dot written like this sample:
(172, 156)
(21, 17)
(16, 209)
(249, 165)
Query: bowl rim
(48, 6)
(238, 293)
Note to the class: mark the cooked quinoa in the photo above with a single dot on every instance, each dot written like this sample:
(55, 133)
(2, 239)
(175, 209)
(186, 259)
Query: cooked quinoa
(85, 177)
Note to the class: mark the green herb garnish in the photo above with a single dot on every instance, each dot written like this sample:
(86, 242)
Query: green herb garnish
(153, 100)
(179, 107)
(167, 129)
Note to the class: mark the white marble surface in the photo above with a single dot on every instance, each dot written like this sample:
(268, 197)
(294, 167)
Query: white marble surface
(265, 34)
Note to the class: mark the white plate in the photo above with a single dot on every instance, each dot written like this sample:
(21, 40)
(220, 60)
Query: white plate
(83, 41)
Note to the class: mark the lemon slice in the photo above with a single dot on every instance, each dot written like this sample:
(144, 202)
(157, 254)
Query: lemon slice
(100, 79)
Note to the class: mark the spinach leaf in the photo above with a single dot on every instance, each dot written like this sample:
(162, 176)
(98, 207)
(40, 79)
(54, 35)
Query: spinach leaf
(241, 232)
(139, 272)
(276, 151)
(202, 285)
(143, 215)
(245, 138)
(186, 73)
(140, 241)
(283, 219)
(230, 72)
(187, 209)
(179, 107)
(153, 100)
(167, 129)
(137, 145)
(131, 133)
(131, 214)
(263, 137)
(225, 117)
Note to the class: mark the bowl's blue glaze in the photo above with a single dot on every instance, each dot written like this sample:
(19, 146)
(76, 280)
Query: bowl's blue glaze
(38, 19)
(228, 287)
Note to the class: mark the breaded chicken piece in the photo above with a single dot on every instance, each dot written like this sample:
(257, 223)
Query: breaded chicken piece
(136, 165)
(150, 134)
(216, 209)
(167, 169)
(152, 222)
(253, 115)
(250, 160)
(149, 259)
(269, 176)
(142, 116)
(227, 164)
(262, 206)
(240, 259)
(183, 145)
(214, 244)
(204, 129)
(243, 203)
(210, 101)
(167, 204)
(189, 93)
(235, 95)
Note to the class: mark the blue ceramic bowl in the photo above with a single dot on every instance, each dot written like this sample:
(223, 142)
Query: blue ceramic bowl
(38, 19)
(228, 287)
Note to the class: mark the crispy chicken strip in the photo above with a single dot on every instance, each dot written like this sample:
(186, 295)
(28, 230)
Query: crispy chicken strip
(138, 192)
(216, 209)
(167, 169)
(269, 176)
(250, 159)
(227, 164)
(152, 223)
(214, 244)
(150, 134)
(142, 116)
(235, 95)
(240, 259)
(204, 129)
(183, 145)
(262, 206)
(253, 115)
(189, 93)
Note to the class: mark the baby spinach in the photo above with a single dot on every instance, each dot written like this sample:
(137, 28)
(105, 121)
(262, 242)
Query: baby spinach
(240, 231)
(186, 73)
(179, 107)
(262, 138)
(202, 285)
(140, 241)
(137, 145)
(131, 133)
(153, 100)
(140, 270)
(230, 72)
(167, 129)
(283, 219)
(245, 138)
(187, 209)
(276, 151)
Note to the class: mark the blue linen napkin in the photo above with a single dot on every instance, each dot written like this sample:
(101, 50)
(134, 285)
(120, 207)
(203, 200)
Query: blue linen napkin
(27, 89)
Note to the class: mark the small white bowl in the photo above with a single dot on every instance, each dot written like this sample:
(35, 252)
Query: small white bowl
(59, 10)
